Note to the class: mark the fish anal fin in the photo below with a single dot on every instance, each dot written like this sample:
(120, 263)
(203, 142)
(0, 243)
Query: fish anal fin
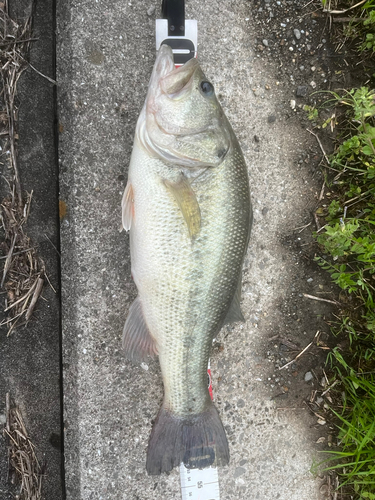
(136, 339)
(187, 202)
(127, 205)
(234, 313)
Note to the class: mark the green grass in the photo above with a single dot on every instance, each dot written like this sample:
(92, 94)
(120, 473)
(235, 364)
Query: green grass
(361, 28)
(347, 242)
(355, 462)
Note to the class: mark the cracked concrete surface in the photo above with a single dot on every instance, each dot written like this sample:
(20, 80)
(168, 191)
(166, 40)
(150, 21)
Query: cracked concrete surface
(105, 57)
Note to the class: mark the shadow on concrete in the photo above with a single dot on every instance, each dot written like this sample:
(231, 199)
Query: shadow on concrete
(30, 359)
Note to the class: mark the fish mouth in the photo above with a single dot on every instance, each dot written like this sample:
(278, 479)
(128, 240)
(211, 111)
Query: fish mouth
(167, 79)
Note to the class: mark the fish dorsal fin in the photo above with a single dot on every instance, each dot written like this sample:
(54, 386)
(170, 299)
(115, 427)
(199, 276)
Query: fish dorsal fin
(136, 339)
(127, 205)
(187, 202)
(235, 314)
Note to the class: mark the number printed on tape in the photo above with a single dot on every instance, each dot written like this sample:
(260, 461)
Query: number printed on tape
(199, 484)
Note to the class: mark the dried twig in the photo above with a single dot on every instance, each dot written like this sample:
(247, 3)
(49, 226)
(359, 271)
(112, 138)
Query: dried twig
(301, 228)
(345, 10)
(8, 260)
(318, 228)
(320, 144)
(330, 387)
(37, 292)
(321, 299)
(51, 80)
(349, 19)
(22, 460)
(321, 196)
(302, 352)
(23, 271)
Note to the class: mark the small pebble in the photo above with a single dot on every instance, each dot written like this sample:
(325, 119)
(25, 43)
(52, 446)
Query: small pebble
(271, 118)
(301, 91)
(313, 68)
(297, 34)
(151, 10)
(308, 376)
(293, 104)
(291, 49)
(265, 43)
(309, 280)
(239, 471)
(313, 84)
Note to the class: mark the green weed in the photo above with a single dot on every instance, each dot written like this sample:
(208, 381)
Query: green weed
(312, 112)
(361, 28)
(355, 462)
(347, 241)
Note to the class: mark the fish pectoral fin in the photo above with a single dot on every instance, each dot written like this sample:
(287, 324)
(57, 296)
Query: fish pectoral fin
(187, 202)
(136, 339)
(127, 205)
(234, 313)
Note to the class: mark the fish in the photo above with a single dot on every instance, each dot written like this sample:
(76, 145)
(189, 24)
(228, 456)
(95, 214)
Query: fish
(188, 210)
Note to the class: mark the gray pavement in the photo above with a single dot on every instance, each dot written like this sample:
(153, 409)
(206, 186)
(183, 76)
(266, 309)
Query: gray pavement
(30, 357)
(105, 53)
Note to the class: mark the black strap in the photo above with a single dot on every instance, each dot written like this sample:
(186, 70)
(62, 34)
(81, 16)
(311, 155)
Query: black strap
(174, 11)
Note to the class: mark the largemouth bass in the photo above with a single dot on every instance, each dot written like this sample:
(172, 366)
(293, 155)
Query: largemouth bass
(187, 206)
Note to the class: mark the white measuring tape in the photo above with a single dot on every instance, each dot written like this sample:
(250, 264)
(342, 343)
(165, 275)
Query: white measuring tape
(199, 484)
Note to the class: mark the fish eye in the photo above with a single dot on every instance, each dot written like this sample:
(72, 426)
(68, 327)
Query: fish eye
(207, 88)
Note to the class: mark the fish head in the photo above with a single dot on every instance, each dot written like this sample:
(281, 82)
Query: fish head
(182, 121)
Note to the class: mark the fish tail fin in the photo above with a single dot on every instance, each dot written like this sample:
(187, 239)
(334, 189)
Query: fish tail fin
(198, 441)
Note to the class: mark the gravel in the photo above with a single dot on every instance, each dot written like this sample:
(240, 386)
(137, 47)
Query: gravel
(301, 91)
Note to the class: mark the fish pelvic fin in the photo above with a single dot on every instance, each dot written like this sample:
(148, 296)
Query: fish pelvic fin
(198, 441)
(187, 202)
(136, 339)
(127, 206)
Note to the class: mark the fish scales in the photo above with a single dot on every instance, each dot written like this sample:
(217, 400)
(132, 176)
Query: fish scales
(186, 282)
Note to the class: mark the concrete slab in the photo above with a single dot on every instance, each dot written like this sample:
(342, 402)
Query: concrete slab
(30, 357)
(105, 57)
